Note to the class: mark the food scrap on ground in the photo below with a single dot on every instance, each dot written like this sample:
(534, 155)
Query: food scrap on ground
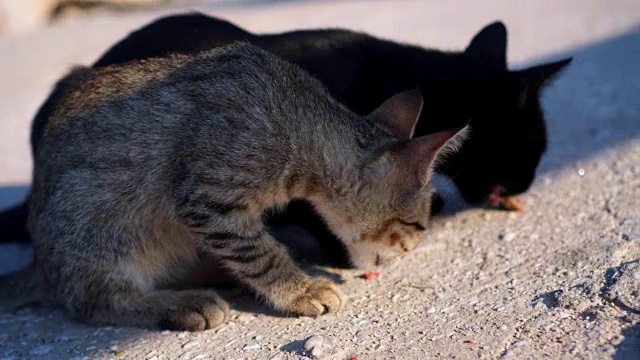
(370, 275)
(512, 203)
(509, 203)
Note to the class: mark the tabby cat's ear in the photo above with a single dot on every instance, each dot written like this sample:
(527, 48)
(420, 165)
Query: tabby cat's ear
(537, 76)
(417, 157)
(490, 45)
(399, 114)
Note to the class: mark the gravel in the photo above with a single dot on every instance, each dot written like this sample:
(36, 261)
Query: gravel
(316, 346)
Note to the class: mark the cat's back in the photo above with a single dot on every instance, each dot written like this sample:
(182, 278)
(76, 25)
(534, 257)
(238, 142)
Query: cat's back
(117, 96)
(238, 92)
(236, 70)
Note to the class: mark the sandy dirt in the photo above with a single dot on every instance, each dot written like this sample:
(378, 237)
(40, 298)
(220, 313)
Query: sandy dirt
(560, 279)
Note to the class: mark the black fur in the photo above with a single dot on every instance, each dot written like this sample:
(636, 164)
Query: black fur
(13, 223)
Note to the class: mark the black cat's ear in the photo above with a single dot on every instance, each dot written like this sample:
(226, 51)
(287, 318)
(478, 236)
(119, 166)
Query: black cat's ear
(537, 76)
(399, 114)
(418, 156)
(490, 45)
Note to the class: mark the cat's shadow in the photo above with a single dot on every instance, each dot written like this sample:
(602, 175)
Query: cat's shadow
(12, 194)
(294, 347)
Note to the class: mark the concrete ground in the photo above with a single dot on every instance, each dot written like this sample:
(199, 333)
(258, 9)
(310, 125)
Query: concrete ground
(560, 280)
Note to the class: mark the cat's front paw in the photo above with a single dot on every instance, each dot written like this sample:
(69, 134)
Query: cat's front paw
(320, 297)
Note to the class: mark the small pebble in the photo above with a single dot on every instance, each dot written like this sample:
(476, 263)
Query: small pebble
(190, 344)
(314, 346)
(506, 236)
(251, 345)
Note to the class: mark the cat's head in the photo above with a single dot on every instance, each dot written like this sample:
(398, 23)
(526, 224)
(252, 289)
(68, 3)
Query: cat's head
(509, 130)
(381, 209)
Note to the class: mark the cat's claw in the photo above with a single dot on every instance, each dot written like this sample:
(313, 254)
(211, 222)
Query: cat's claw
(320, 297)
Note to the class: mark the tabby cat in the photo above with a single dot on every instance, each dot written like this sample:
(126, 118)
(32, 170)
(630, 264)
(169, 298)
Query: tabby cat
(145, 171)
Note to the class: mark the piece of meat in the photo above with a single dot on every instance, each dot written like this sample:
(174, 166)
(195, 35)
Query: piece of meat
(370, 275)
(512, 203)
(509, 203)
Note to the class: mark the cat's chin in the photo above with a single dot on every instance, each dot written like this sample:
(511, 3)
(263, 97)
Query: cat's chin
(367, 256)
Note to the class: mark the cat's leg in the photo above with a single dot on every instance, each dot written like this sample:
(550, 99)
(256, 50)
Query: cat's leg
(104, 276)
(264, 264)
(183, 310)
(244, 247)
(107, 299)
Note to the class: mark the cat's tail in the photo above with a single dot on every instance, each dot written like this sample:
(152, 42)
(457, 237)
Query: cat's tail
(13, 224)
(21, 288)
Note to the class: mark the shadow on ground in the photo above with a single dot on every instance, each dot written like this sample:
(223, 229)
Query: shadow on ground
(593, 106)
(629, 348)
(12, 194)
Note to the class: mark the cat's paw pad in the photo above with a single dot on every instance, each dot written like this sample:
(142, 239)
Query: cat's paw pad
(197, 312)
(320, 297)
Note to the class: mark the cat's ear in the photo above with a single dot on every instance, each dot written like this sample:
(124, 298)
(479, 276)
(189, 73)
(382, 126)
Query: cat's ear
(538, 76)
(490, 45)
(417, 157)
(399, 114)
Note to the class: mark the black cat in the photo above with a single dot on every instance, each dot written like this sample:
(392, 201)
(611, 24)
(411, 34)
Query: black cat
(508, 134)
